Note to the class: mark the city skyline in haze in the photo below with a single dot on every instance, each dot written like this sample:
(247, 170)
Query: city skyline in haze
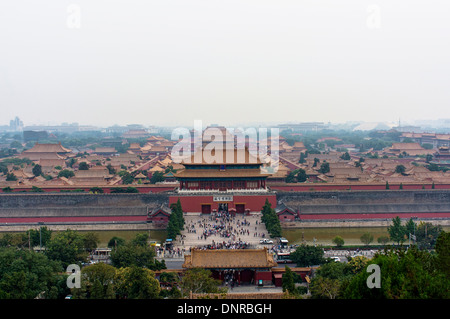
(228, 62)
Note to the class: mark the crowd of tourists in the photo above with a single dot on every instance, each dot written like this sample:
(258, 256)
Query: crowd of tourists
(225, 245)
(224, 225)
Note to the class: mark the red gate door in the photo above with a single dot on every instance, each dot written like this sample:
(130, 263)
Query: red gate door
(206, 209)
(240, 208)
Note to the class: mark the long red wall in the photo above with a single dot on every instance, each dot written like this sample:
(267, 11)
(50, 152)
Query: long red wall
(297, 187)
(308, 187)
(372, 216)
(73, 219)
(106, 189)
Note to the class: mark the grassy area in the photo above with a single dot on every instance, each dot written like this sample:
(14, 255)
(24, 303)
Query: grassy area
(105, 235)
(324, 236)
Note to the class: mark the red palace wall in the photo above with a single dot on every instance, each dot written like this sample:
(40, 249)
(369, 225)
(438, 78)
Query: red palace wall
(106, 189)
(307, 187)
(193, 204)
(265, 276)
(372, 216)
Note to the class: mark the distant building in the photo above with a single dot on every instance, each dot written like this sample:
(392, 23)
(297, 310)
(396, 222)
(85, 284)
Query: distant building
(46, 151)
(304, 126)
(106, 151)
(412, 149)
(69, 128)
(435, 139)
(16, 125)
(139, 133)
(159, 217)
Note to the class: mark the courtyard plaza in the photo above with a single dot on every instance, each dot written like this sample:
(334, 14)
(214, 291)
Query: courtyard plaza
(218, 231)
(222, 231)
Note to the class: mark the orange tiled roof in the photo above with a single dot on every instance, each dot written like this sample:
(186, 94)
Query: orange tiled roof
(239, 156)
(212, 173)
(48, 148)
(406, 146)
(229, 258)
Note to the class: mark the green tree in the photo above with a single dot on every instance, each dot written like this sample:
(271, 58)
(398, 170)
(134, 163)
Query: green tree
(303, 157)
(366, 238)
(176, 220)
(356, 264)
(10, 177)
(97, 282)
(37, 170)
(324, 168)
(410, 227)
(397, 231)
(198, 280)
(316, 161)
(305, 255)
(301, 176)
(36, 189)
(140, 239)
(400, 169)
(115, 242)
(410, 274)
(290, 178)
(270, 219)
(90, 241)
(83, 166)
(387, 185)
(345, 156)
(39, 236)
(66, 173)
(127, 178)
(157, 177)
(329, 280)
(443, 252)
(15, 144)
(288, 283)
(383, 240)
(137, 283)
(338, 241)
(25, 274)
(427, 235)
(68, 247)
(96, 190)
(135, 255)
(111, 170)
(323, 287)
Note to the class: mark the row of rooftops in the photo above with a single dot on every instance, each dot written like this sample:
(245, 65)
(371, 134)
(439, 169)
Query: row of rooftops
(136, 160)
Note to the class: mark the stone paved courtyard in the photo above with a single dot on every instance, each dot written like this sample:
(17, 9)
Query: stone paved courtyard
(202, 230)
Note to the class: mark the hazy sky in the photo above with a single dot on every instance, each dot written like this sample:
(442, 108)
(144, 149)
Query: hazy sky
(230, 61)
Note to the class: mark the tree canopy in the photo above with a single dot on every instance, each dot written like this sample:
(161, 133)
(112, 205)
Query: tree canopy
(270, 219)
